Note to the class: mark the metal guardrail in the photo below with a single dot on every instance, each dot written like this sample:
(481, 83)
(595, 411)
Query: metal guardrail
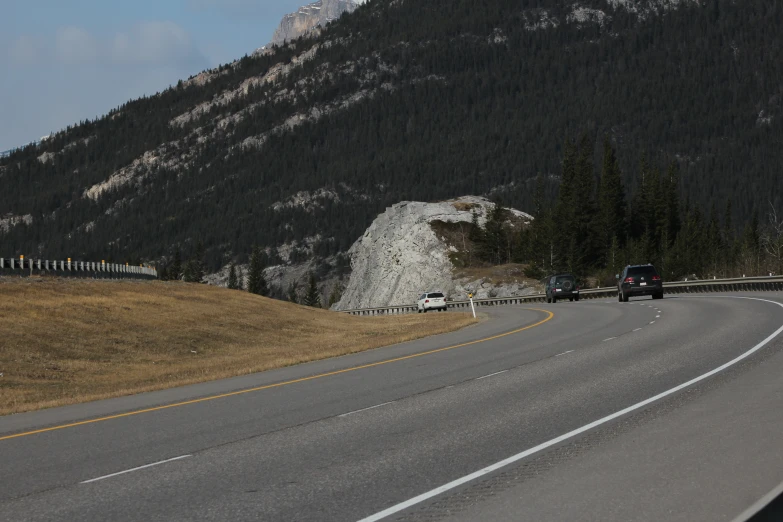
(91, 269)
(677, 287)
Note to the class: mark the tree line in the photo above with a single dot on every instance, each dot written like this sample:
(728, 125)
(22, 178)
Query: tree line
(595, 225)
(254, 282)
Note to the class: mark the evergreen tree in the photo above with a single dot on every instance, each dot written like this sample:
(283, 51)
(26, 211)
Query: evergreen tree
(539, 235)
(494, 243)
(175, 270)
(233, 284)
(586, 234)
(476, 236)
(312, 296)
(336, 294)
(194, 269)
(612, 203)
(293, 292)
(240, 278)
(672, 197)
(256, 281)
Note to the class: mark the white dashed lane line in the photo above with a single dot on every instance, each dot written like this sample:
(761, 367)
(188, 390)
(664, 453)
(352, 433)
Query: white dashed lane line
(558, 355)
(491, 374)
(637, 329)
(104, 477)
(609, 339)
(365, 409)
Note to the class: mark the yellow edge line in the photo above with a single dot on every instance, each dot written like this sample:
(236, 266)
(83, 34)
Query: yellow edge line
(285, 383)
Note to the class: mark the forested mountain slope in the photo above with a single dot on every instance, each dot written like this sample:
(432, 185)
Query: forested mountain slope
(422, 100)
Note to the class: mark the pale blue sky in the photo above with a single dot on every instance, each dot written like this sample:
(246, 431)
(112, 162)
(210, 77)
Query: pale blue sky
(62, 61)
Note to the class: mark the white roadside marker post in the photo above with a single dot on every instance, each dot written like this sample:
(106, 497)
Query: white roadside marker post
(470, 296)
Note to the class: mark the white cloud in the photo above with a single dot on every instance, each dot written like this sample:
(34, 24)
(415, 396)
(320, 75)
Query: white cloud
(73, 45)
(154, 42)
(25, 50)
(150, 43)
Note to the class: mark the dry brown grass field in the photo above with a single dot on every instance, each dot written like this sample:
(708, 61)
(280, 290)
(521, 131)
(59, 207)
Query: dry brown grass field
(68, 341)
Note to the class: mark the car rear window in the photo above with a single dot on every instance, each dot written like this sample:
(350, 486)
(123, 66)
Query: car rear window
(642, 271)
(436, 294)
(563, 279)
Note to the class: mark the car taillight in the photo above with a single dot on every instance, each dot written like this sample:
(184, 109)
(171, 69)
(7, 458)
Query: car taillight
(629, 279)
(426, 300)
(656, 278)
(578, 287)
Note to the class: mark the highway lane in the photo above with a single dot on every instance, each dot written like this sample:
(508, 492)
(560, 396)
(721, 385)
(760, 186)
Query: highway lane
(306, 452)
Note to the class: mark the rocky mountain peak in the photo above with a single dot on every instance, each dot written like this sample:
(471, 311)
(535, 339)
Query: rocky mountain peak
(310, 16)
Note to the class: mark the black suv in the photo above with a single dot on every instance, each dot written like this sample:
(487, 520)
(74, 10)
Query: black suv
(639, 280)
(562, 286)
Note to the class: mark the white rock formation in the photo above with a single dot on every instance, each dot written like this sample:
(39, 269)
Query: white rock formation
(401, 256)
(311, 16)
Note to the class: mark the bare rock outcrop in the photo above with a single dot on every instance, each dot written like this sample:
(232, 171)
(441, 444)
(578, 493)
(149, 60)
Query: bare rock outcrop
(401, 254)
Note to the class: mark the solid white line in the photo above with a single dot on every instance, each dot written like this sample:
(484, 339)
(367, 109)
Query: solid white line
(760, 504)
(365, 409)
(637, 329)
(609, 339)
(135, 469)
(558, 355)
(490, 375)
(519, 456)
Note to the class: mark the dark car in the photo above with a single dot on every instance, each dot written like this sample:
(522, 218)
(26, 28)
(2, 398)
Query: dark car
(638, 280)
(562, 286)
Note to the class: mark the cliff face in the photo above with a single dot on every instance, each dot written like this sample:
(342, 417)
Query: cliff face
(309, 17)
(401, 255)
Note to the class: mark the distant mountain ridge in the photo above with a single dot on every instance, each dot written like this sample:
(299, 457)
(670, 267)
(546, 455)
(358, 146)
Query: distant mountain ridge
(310, 16)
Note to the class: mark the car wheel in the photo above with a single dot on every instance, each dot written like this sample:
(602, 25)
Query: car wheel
(576, 299)
(625, 298)
(658, 296)
(554, 300)
(418, 310)
(571, 299)
(620, 297)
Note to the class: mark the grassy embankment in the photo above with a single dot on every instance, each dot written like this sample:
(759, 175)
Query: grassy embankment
(69, 341)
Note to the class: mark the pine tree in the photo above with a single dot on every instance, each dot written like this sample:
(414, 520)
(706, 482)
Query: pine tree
(293, 292)
(612, 204)
(538, 235)
(194, 269)
(240, 278)
(586, 235)
(336, 294)
(175, 270)
(312, 296)
(232, 278)
(476, 236)
(672, 189)
(256, 281)
(564, 210)
(495, 242)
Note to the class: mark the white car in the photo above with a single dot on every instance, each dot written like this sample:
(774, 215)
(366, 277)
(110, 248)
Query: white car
(431, 301)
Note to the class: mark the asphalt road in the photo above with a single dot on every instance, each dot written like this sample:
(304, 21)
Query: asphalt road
(346, 445)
